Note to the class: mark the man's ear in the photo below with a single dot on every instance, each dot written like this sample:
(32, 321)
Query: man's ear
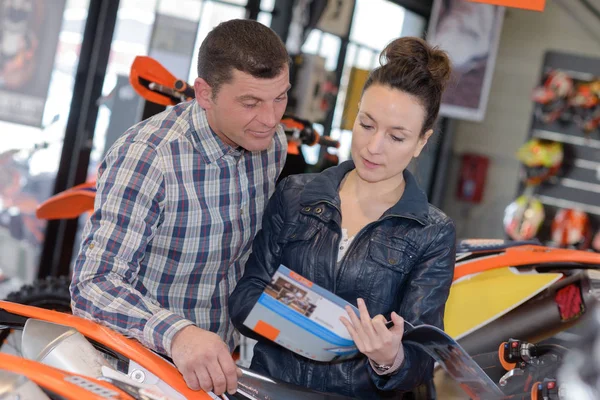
(422, 142)
(204, 93)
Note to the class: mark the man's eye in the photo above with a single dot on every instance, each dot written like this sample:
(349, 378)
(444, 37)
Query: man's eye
(249, 105)
(280, 99)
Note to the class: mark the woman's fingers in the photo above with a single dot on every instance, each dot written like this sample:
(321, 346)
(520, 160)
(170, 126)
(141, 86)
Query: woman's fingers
(353, 333)
(398, 328)
(365, 319)
(380, 329)
(355, 321)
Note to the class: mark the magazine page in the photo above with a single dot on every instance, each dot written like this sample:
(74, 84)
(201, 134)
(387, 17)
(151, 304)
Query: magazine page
(302, 317)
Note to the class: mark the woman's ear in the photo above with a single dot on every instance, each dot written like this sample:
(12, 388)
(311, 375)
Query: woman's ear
(422, 142)
(204, 93)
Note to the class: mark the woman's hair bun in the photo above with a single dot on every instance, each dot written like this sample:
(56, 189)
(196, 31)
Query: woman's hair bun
(414, 52)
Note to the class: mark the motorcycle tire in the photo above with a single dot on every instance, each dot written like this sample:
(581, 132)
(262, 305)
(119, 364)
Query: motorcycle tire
(51, 293)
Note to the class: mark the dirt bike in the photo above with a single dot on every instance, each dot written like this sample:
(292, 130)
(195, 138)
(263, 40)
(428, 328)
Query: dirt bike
(81, 347)
(544, 309)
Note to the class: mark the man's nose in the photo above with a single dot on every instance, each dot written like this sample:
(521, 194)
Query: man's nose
(268, 116)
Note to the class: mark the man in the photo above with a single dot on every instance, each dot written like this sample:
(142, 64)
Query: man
(179, 199)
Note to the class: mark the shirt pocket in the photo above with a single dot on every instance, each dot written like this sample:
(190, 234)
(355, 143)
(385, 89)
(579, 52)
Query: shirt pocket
(389, 262)
(396, 254)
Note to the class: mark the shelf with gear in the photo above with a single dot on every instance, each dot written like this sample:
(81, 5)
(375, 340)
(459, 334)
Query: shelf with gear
(559, 190)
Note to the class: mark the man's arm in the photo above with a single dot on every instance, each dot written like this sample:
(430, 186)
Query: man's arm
(129, 203)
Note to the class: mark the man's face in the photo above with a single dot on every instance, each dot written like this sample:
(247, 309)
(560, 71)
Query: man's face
(245, 111)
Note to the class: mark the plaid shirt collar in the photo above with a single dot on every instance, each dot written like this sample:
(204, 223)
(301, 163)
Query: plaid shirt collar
(206, 141)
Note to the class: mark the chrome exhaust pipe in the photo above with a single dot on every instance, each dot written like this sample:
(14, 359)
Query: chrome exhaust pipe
(61, 347)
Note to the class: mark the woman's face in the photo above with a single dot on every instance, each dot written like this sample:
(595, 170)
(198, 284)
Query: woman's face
(386, 133)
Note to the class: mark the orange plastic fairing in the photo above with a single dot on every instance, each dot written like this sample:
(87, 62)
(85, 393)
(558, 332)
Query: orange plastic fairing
(535, 391)
(55, 380)
(145, 70)
(293, 148)
(291, 123)
(129, 348)
(525, 255)
(68, 204)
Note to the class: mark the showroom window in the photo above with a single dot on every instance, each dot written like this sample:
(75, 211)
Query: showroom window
(33, 131)
(364, 45)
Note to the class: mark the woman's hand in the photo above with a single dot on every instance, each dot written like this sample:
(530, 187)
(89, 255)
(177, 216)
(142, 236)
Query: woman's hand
(372, 337)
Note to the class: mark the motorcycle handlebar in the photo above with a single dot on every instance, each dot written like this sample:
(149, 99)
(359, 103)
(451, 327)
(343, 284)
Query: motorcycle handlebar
(329, 142)
(184, 88)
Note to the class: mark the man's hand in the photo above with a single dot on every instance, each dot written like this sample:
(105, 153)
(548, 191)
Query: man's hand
(204, 361)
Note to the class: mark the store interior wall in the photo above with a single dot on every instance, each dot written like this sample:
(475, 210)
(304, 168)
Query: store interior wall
(526, 36)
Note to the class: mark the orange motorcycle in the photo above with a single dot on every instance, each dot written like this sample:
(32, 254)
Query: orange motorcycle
(67, 348)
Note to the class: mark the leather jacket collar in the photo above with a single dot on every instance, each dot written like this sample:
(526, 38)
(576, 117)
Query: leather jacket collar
(324, 189)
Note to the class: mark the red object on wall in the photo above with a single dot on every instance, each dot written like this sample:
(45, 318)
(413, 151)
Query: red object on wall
(570, 303)
(473, 173)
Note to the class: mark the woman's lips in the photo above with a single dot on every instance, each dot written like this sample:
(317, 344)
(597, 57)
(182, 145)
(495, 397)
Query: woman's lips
(369, 164)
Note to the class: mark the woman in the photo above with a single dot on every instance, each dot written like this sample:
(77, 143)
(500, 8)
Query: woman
(365, 231)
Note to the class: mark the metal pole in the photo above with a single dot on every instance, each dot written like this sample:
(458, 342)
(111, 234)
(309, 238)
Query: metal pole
(73, 167)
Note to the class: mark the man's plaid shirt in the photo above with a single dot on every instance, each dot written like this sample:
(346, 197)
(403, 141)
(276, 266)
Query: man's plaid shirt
(175, 214)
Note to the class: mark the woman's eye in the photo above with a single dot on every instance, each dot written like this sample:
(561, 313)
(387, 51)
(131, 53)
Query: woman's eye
(367, 127)
(397, 139)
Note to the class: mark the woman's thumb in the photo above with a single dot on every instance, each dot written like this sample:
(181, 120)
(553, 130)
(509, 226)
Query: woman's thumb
(398, 328)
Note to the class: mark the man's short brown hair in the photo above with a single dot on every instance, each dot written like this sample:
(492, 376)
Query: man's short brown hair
(245, 45)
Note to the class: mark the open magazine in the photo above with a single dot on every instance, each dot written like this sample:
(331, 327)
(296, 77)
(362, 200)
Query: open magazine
(302, 317)
(305, 318)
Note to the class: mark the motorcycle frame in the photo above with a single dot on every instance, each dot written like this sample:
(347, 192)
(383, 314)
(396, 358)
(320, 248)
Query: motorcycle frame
(56, 380)
(107, 338)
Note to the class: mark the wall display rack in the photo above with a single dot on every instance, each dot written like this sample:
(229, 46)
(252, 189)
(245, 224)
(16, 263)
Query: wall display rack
(577, 184)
